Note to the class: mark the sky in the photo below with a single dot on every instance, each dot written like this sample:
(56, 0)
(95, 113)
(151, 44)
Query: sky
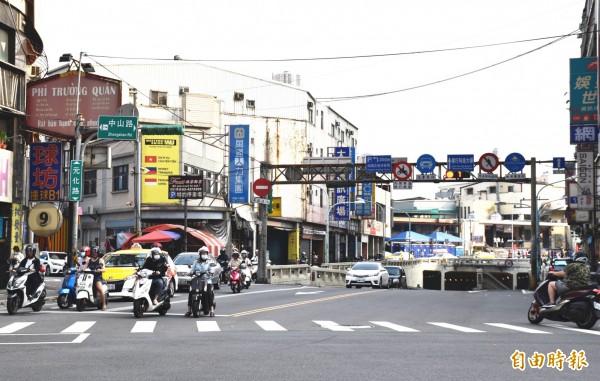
(447, 94)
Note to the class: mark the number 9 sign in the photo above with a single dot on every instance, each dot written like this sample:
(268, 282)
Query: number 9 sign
(45, 219)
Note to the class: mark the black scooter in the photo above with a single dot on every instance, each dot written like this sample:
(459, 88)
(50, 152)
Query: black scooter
(581, 306)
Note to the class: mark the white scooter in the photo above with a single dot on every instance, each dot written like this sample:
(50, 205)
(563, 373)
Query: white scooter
(246, 276)
(141, 295)
(87, 295)
(254, 267)
(17, 297)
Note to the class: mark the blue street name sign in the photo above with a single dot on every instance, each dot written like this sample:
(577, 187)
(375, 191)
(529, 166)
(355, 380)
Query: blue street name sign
(381, 164)
(584, 134)
(461, 163)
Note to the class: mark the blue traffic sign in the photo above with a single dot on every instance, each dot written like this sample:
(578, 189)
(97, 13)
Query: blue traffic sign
(382, 164)
(514, 162)
(461, 163)
(426, 163)
(558, 162)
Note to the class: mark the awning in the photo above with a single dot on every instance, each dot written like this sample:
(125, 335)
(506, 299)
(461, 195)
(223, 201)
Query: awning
(246, 213)
(213, 243)
(157, 236)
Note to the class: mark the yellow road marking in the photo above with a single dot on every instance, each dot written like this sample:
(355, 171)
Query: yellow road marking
(295, 304)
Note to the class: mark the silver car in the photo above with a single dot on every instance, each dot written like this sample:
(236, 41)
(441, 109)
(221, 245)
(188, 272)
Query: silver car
(183, 263)
(371, 274)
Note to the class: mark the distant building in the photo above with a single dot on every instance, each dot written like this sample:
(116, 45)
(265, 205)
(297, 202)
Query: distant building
(287, 77)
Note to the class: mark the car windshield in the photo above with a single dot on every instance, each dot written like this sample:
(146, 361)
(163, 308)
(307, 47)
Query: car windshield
(125, 260)
(58, 255)
(393, 271)
(560, 263)
(365, 266)
(185, 260)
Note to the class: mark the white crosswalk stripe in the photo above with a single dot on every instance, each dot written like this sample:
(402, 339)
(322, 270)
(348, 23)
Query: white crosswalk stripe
(144, 327)
(270, 325)
(333, 326)
(14, 327)
(207, 326)
(395, 327)
(79, 327)
(516, 328)
(587, 331)
(456, 327)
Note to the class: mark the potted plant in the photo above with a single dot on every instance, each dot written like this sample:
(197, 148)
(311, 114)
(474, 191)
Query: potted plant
(3, 139)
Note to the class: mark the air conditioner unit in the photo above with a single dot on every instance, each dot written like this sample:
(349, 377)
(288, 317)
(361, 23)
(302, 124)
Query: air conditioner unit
(238, 96)
(36, 71)
(184, 89)
(309, 105)
(250, 103)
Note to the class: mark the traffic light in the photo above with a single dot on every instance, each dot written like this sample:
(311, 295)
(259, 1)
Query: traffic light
(457, 175)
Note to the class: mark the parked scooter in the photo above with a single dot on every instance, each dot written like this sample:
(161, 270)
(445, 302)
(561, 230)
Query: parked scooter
(16, 290)
(67, 294)
(246, 276)
(142, 302)
(235, 279)
(581, 306)
(87, 294)
(201, 293)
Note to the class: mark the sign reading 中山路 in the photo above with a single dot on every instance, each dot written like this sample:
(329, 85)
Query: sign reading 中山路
(117, 127)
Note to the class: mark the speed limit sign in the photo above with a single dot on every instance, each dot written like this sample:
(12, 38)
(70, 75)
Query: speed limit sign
(45, 219)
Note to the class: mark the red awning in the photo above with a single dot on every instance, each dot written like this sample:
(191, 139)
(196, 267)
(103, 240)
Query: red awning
(157, 236)
(213, 243)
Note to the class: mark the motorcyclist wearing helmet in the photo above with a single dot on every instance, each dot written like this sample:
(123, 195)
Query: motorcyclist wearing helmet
(235, 259)
(32, 264)
(96, 264)
(157, 244)
(223, 260)
(202, 265)
(157, 263)
(577, 274)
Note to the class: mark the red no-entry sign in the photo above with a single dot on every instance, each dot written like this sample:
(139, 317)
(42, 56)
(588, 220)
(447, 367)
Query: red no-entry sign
(261, 187)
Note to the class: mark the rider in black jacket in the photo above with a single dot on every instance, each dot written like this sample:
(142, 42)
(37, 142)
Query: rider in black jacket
(32, 264)
(157, 263)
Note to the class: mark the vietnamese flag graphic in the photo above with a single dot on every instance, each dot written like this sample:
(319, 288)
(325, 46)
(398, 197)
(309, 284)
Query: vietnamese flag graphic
(150, 171)
(150, 182)
(150, 159)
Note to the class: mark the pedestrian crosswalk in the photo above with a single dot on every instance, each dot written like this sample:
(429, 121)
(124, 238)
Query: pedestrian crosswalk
(206, 325)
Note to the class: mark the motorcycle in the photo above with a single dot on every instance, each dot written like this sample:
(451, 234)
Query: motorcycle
(201, 293)
(224, 276)
(246, 276)
(87, 294)
(254, 268)
(581, 306)
(67, 294)
(235, 279)
(142, 302)
(16, 290)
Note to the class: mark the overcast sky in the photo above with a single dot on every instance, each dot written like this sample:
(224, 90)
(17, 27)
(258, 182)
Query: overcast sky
(515, 106)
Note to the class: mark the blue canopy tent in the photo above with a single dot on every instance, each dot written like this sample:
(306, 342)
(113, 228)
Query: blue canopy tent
(443, 237)
(404, 236)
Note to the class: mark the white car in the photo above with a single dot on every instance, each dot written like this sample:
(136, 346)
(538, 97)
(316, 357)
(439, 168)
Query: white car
(54, 261)
(183, 263)
(371, 274)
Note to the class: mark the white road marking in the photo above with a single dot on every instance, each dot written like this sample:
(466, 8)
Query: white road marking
(144, 327)
(79, 339)
(308, 292)
(456, 327)
(580, 330)
(332, 326)
(79, 327)
(270, 325)
(14, 327)
(516, 328)
(207, 326)
(394, 327)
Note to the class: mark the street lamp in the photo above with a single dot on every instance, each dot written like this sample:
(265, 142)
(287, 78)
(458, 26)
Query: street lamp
(88, 68)
(382, 227)
(326, 254)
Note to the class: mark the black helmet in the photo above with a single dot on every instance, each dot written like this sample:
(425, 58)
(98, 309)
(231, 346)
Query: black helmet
(30, 249)
(235, 254)
(581, 257)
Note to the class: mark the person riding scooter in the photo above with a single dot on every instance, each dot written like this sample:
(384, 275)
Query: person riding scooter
(223, 260)
(157, 263)
(96, 264)
(32, 264)
(577, 275)
(203, 266)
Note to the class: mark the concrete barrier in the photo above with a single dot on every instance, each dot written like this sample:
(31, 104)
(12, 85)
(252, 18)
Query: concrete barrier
(306, 276)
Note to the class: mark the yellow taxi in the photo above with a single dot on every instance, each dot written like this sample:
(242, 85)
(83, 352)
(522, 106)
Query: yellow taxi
(121, 267)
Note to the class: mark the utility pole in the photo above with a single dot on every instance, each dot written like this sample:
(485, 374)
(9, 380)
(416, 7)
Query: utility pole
(535, 252)
(262, 251)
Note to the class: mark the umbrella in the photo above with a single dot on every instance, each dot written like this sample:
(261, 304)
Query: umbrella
(443, 237)
(157, 236)
(405, 236)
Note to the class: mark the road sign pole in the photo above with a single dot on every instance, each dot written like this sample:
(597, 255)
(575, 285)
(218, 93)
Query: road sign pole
(262, 252)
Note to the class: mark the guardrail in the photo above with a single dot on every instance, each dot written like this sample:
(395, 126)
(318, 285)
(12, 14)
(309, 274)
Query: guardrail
(308, 276)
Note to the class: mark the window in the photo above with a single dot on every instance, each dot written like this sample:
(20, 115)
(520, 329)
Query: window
(89, 182)
(120, 178)
(158, 97)
(4, 46)
(492, 189)
(469, 191)
(510, 188)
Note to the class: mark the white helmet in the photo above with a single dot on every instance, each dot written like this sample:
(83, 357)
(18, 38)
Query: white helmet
(203, 249)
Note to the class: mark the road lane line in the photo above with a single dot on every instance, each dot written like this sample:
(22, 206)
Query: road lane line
(144, 327)
(207, 326)
(580, 330)
(333, 326)
(270, 325)
(14, 327)
(517, 328)
(393, 326)
(79, 327)
(456, 327)
(295, 304)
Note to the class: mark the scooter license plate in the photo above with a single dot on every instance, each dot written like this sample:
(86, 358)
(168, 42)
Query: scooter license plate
(597, 305)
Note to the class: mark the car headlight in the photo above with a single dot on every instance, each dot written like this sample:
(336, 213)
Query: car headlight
(183, 273)
(56, 263)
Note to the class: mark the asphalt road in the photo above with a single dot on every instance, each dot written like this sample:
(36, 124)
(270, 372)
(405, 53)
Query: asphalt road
(296, 333)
